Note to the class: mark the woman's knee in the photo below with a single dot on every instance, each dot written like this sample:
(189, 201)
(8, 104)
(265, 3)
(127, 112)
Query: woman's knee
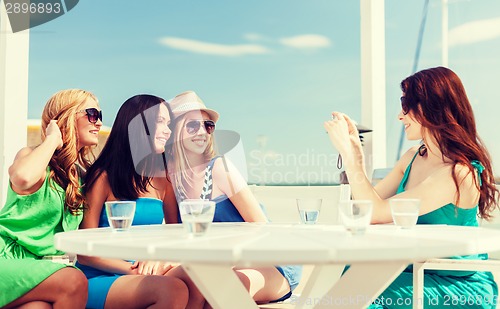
(73, 282)
(179, 291)
(180, 273)
(244, 279)
(166, 291)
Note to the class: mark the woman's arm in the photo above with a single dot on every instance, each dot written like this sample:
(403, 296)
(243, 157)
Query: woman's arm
(434, 191)
(388, 186)
(27, 172)
(438, 189)
(99, 193)
(231, 183)
(345, 138)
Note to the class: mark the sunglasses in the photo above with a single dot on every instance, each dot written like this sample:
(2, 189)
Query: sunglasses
(404, 105)
(93, 114)
(193, 126)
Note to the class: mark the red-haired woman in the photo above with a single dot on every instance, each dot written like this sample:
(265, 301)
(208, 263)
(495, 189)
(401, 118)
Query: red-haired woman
(450, 172)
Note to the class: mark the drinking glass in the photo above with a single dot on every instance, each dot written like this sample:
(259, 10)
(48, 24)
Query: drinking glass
(405, 212)
(197, 216)
(120, 214)
(356, 215)
(309, 209)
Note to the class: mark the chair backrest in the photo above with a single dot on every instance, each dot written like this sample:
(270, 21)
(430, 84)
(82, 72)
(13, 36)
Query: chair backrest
(494, 223)
(281, 207)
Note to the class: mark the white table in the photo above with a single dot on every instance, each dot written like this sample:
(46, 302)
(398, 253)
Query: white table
(376, 258)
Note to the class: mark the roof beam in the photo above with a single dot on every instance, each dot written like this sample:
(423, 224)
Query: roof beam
(373, 92)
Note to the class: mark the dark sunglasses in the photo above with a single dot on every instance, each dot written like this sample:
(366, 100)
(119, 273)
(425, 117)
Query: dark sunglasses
(193, 126)
(404, 106)
(92, 114)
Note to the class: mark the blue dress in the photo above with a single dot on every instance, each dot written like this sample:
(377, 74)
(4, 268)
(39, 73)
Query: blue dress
(225, 211)
(444, 288)
(147, 211)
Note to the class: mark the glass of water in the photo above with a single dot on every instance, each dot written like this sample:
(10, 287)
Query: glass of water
(405, 212)
(356, 215)
(197, 215)
(120, 214)
(309, 209)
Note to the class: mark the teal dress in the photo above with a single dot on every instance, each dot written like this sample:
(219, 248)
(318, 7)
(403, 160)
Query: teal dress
(27, 227)
(147, 211)
(444, 288)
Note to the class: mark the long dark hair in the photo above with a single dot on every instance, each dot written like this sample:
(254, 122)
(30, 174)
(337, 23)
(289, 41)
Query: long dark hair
(129, 158)
(438, 101)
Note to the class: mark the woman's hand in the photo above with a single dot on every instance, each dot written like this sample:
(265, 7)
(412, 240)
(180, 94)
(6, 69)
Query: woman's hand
(27, 172)
(343, 133)
(152, 267)
(54, 132)
(345, 138)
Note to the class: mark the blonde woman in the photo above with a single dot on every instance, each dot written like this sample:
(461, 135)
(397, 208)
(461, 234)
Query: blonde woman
(44, 198)
(197, 172)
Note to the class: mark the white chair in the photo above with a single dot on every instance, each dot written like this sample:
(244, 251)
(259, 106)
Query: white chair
(281, 207)
(492, 265)
(446, 264)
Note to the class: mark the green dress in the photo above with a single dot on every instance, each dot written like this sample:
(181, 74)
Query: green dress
(27, 227)
(444, 288)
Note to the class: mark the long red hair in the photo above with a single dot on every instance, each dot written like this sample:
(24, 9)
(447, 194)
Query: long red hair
(438, 101)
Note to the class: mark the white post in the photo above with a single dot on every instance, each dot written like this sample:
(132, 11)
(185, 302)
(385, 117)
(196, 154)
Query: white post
(444, 32)
(14, 58)
(373, 82)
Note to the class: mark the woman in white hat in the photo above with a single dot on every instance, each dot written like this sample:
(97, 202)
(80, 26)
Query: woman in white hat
(197, 172)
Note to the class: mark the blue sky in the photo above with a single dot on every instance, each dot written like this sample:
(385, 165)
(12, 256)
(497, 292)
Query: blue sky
(274, 69)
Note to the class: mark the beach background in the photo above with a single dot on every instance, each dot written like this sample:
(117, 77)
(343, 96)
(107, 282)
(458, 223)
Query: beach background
(273, 69)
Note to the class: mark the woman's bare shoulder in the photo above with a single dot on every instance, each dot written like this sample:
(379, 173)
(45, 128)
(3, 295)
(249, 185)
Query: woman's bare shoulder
(223, 165)
(219, 165)
(102, 178)
(406, 158)
(101, 183)
(465, 175)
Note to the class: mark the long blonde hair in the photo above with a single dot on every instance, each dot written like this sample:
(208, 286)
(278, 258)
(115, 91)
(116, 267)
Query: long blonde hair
(63, 107)
(180, 165)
